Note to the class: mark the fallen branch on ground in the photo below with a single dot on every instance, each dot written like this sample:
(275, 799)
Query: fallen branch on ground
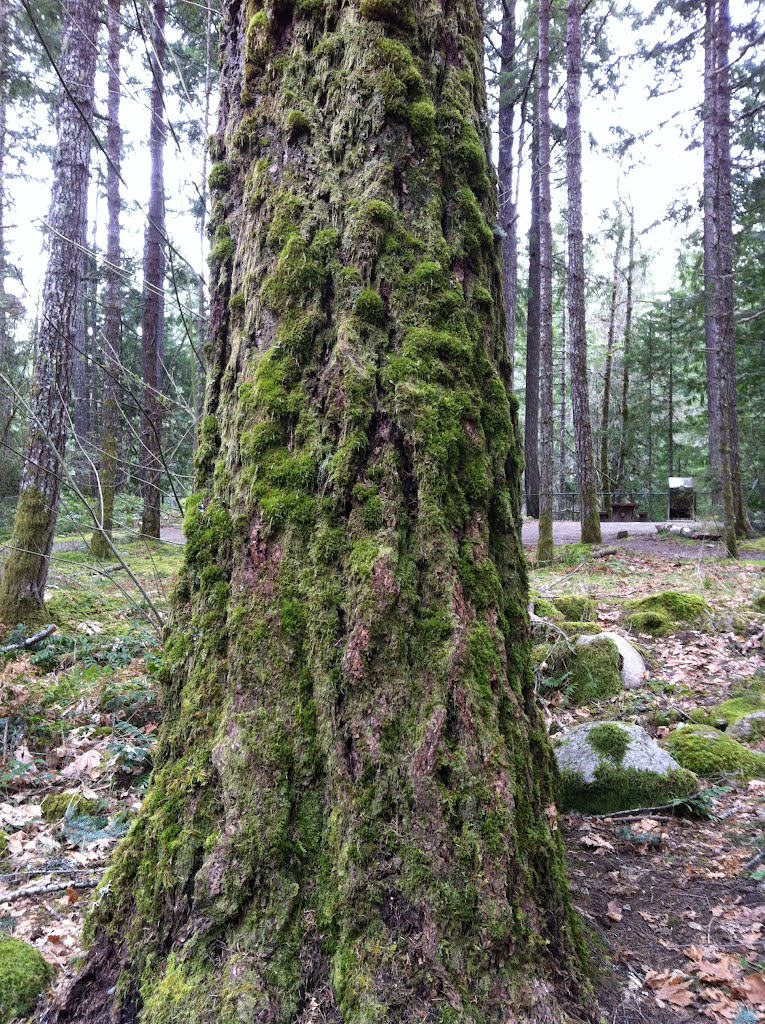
(61, 886)
(30, 640)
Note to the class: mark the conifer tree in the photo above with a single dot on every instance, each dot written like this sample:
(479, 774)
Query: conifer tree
(351, 810)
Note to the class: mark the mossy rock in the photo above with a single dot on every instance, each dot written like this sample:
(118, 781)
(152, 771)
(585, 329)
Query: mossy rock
(589, 673)
(759, 603)
(660, 614)
(750, 728)
(547, 610)
(24, 973)
(611, 766)
(576, 608)
(576, 629)
(707, 751)
(57, 805)
(730, 711)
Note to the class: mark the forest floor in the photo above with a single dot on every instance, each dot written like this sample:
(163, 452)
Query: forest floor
(678, 904)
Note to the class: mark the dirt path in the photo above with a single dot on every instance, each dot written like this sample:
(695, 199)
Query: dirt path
(641, 539)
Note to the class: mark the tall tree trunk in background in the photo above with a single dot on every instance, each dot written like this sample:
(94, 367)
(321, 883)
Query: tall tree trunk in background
(577, 333)
(201, 340)
(563, 410)
(508, 217)
(671, 399)
(349, 817)
(545, 548)
(619, 473)
(26, 569)
(84, 367)
(100, 544)
(650, 420)
(6, 400)
(726, 337)
(94, 378)
(531, 420)
(606, 483)
(711, 325)
(153, 318)
(718, 311)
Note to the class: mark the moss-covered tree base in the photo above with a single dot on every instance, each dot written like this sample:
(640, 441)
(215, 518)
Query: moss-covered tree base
(22, 588)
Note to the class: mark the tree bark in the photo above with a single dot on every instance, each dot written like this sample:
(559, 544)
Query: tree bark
(563, 412)
(508, 215)
(81, 397)
(545, 549)
(531, 419)
(710, 147)
(580, 400)
(26, 569)
(6, 402)
(671, 399)
(718, 296)
(622, 458)
(727, 339)
(351, 811)
(199, 360)
(100, 544)
(153, 318)
(606, 484)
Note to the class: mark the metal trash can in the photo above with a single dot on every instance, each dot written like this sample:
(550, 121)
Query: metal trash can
(682, 498)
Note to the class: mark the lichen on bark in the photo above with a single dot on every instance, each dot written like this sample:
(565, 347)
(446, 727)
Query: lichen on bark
(349, 818)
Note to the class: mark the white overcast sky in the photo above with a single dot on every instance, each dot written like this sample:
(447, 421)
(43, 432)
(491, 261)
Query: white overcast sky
(662, 171)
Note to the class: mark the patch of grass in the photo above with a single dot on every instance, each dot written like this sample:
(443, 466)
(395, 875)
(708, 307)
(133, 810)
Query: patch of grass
(576, 608)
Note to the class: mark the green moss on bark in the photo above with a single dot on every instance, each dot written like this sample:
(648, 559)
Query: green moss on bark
(348, 804)
(21, 593)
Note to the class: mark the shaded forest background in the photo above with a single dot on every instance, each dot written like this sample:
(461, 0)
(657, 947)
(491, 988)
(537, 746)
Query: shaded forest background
(647, 373)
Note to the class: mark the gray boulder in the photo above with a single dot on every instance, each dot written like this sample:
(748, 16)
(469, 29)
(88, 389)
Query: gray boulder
(632, 664)
(611, 766)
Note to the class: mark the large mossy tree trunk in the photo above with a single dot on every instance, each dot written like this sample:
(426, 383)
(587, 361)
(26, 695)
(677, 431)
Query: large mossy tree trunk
(26, 568)
(351, 816)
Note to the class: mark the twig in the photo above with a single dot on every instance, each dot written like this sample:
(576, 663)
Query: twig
(29, 872)
(38, 890)
(643, 812)
(30, 640)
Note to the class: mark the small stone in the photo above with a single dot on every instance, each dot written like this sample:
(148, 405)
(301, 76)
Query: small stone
(749, 727)
(622, 534)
